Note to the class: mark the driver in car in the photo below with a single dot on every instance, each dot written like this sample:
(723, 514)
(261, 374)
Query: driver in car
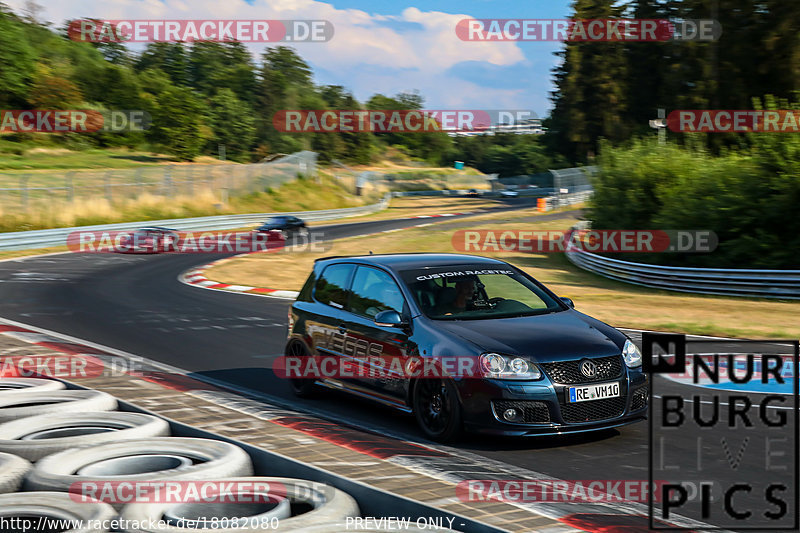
(459, 297)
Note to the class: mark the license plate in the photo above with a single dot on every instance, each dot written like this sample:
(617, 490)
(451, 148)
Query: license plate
(593, 392)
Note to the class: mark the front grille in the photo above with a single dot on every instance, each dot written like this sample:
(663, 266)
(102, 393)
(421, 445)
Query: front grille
(593, 410)
(533, 412)
(639, 400)
(570, 371)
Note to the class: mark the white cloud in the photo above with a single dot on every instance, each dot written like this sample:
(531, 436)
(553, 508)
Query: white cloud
(422, 43)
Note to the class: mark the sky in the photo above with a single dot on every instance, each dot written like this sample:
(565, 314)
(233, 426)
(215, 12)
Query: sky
(386, 47)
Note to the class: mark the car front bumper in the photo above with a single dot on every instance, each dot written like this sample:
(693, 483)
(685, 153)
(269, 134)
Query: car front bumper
(545, 407)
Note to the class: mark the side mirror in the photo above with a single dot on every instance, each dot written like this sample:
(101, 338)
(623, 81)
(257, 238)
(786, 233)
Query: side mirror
(568, 301)
(390, 319)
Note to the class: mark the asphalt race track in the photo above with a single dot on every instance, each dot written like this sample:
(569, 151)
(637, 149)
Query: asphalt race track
(135, 303)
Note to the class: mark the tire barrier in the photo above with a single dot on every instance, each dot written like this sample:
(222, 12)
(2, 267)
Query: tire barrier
(12, 471)
(77, 443)
(18, 385)
(37, 436)
(24, 404)
(54, 507)
(158, 458)
(295, 505)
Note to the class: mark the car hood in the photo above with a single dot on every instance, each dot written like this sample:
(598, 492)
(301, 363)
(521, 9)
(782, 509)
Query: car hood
(550, 337)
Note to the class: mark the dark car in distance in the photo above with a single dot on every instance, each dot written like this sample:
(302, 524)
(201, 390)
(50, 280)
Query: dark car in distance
(286, 225)
(150, 240)
(532, 364)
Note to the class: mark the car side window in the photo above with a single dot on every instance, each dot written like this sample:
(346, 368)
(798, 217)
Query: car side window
(374, 291)
(331, 287)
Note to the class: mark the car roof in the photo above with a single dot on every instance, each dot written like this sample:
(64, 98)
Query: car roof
(412, 261)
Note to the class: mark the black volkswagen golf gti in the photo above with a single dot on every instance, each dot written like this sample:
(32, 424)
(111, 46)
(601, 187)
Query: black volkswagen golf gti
(463, 342)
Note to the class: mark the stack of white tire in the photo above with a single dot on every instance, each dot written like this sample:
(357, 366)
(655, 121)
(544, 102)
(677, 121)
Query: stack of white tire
(53, 439)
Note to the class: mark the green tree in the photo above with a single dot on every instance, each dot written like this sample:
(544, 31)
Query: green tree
(504, 153)
(53, 92)
(170, 58)
(746, 198)
(284, 79)
(178, 123)
(590, 98)
(16, 59)
(428, 145)
(233, 124)
(214, 66)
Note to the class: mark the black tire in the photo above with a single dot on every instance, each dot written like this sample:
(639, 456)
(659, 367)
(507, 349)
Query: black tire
(437, 409)
(302, 388)
(76, 429)
(16, 406)
(21, 385)
(203, 459)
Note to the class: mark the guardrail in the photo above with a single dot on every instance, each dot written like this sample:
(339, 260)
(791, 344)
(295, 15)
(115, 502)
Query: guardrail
(31, 240)
(483, 193)
(783, 284)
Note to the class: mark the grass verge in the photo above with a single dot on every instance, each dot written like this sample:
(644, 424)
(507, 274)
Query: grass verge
(17, 159)
(409, 206)
(613, 302)
(298, 195)
(15, 254)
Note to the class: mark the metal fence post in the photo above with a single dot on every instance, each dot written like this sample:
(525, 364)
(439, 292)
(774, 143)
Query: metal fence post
(107, 186)
(168, 181)
(23, 185)
(138, 180)
(252, 179)
(227, 188)
(69, 187)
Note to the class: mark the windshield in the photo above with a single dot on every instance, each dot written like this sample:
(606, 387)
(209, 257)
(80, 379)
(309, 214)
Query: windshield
(275, 220)
(472, 292)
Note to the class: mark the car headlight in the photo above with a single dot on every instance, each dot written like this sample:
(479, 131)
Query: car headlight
(631, 354)
(496, 366)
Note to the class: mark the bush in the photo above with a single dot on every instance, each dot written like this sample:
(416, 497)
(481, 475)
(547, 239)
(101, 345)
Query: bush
(747, 199)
